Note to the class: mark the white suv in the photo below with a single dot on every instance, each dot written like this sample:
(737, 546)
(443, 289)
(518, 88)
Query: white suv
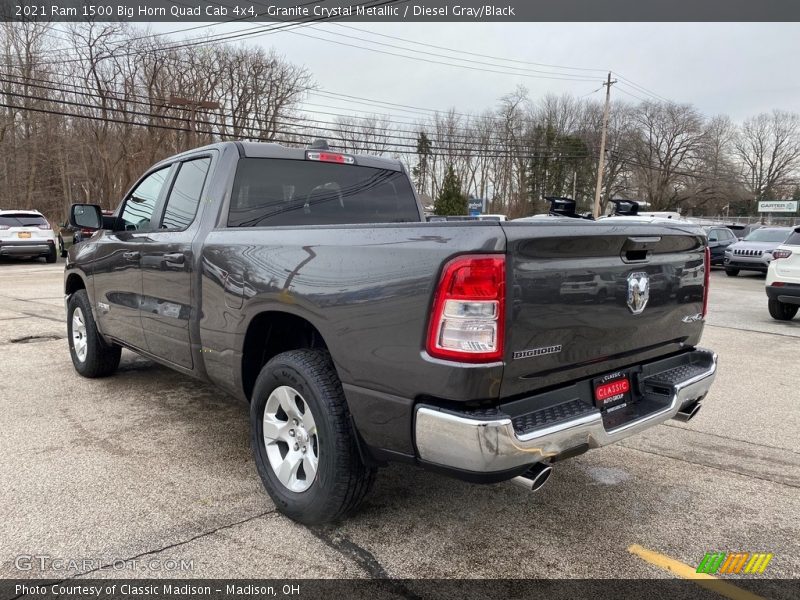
(27, 233)
(783, 279)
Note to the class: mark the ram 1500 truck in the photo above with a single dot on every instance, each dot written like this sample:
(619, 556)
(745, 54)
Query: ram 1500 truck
(307, 283)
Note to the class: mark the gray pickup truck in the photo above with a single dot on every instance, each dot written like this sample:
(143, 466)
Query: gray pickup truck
(307, 283)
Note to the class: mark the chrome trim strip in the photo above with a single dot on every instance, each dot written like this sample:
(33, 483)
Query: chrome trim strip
(492, 445)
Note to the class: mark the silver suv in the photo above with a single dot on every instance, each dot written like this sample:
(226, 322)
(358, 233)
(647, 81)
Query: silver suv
(754, 252)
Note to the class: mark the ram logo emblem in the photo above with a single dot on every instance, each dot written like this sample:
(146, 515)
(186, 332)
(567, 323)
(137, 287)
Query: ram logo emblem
(638, 291)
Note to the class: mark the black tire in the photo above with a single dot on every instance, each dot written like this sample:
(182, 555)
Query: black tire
(731, 272)
(61, 249)
(342, 480)
(781, 311)
(51, 256)
(101, 359)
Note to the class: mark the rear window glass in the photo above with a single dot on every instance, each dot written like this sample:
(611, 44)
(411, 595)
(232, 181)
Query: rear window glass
(767, 235)
(22, 220)
(794, 239)
(270, 192)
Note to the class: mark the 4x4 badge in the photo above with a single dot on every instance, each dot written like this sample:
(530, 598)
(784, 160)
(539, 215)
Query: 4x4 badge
(638, 291)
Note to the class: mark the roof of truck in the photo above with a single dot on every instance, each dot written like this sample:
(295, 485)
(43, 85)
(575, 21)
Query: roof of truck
(271, 150)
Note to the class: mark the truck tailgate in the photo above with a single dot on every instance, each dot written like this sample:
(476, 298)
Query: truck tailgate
(571, 314)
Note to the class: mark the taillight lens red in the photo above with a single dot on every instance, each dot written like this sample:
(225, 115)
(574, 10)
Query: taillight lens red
(706, 279)
(333, 157)
(469, 310)
(776, 254)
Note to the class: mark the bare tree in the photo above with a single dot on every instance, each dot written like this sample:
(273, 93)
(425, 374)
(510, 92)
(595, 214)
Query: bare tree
(668, 138)
(768, 146)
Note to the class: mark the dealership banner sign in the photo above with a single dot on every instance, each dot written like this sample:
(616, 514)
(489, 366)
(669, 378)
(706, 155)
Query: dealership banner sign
(789, 206)
(398, 10)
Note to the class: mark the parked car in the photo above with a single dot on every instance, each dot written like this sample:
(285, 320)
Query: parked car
(307, 283)
(68, 235)
(26, 234)
(754, 252)
(742, 231)
(719, 238)
(783, 279)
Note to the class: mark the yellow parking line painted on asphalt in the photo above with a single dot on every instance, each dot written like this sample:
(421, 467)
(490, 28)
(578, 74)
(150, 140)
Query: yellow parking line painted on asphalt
(723, 588)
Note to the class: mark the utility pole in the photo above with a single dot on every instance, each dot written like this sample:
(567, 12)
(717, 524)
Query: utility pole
(574, 183)
(602, 160)
(192, 106)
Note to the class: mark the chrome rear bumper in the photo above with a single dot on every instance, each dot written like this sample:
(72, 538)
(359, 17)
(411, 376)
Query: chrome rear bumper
(492, 445)
(24, 249)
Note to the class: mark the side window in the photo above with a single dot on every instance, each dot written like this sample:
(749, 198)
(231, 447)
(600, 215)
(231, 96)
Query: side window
(713, 236)
(184, 198)
(142, 201)
(794, 239)
(729, 237)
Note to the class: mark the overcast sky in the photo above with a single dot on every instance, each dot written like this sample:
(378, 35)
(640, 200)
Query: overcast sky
(739, 69)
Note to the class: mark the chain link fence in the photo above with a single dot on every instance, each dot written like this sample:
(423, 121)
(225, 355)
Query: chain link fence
(766, 219)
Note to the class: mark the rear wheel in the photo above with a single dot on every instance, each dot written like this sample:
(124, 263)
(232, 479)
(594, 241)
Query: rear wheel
(91, 355)
(61, 250)
(303, 440)
(51, 256)
(731, 272)
(782, 311)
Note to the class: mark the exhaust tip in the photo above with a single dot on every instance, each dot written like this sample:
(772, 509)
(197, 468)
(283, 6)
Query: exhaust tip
(689, 412)
(541, 478)
(534, 478)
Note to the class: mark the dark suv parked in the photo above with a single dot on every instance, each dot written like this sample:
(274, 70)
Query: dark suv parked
(719, 238)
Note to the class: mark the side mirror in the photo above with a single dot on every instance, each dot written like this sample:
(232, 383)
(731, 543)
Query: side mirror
(86, 216)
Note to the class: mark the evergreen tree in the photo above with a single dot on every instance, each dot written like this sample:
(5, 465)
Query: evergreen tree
(420, 172)
(450, 201)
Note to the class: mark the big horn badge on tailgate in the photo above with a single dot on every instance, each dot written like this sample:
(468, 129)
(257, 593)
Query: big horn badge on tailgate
(638, 291)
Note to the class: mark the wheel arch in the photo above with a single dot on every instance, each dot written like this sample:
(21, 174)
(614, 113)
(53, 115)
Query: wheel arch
(73, 283)
(269, 333)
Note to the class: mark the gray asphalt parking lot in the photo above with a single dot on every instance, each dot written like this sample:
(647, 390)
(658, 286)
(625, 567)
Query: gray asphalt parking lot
(149, 464)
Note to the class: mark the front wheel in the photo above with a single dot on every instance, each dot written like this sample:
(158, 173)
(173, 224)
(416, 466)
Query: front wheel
(731, 272)
(782, 311)
(91, 355)
(303, 440)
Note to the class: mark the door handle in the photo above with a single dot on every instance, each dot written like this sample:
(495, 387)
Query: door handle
(132, 255)
(176, 258)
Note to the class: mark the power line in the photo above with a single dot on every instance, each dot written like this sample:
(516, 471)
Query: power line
(504, 153)
(525, 62)
(162, 103)
(624, 91)
(555, 75)
(439, 62)
(261, 30)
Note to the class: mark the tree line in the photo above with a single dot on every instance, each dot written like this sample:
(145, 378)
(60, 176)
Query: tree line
(82, 125)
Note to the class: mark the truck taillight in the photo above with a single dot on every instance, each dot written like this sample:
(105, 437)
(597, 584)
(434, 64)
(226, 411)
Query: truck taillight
(776, 254)
(706, 279)
(333, 157)
(469, 310)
